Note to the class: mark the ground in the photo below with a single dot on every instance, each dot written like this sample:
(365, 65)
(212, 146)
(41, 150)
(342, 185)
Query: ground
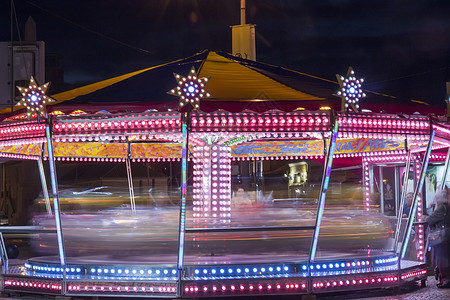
(410, 292)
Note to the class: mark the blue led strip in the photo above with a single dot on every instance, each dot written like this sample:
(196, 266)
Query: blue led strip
(51, 160)
(244, 271)
(278, 270)
(323, 191)
(380, 261)
(182, 221)
(53, 269)
(133, 272)
(416, 192)
(105, 271)
(224, 271)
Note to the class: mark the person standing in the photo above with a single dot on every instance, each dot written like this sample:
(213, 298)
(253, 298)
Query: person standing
(440, 255)
(408, 203)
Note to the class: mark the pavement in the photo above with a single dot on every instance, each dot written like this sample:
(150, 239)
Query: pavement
(406, 292)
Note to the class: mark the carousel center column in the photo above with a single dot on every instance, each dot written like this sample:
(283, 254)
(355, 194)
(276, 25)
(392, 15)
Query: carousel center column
(212, 184)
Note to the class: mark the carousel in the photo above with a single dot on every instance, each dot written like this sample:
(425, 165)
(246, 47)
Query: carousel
(254, 181)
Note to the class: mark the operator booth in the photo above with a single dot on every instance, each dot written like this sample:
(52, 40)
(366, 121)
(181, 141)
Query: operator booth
(194, 203)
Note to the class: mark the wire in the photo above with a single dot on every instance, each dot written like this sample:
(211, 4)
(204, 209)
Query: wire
(407, 76)
(90, 30)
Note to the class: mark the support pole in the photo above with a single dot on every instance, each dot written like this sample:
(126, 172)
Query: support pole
(3, 255)
(54, 180)
(371, 181)
(44, 187)
(397, 190)
(243, 12)
(260, 177)
(11, 58)
(323, 191)
(130, 185)
(416, 192)
(3, 204)
(402, 196)
(182, 218)
(380, 176)
(444, 177)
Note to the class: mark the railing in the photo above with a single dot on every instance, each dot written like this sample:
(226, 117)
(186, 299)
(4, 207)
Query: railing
(17, 230)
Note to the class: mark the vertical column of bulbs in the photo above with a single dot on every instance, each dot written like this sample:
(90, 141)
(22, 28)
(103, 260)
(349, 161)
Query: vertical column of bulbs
(201, 184)
(212, 184)
(419, 215)
(221, 183)
(200, 192)
(366, 185)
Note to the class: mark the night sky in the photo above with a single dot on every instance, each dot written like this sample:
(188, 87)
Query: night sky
(400, 47)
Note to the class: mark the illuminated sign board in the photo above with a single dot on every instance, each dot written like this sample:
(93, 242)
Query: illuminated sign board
(287, 148)
(368, 145)
(173, 150)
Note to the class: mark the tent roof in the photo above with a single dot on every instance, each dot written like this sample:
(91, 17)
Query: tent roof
(235, 84)
(234, 81)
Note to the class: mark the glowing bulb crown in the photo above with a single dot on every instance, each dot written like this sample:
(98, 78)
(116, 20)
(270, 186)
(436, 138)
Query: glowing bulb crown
(190, 89)
(34, 98)
(350, 89)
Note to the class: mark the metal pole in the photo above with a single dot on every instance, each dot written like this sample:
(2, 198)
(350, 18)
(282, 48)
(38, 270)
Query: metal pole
(371, 180)
(44, 187)
(182, 218)
(12, 81)
(444, 177)
(261, 177)
(380, 176)
(3, 200)
(242, 12)
(402, 195)
(397, 191)
(54, 180)
(255, 178)
(4, 254)
(130, 185)
(416, 192)
(323, 191)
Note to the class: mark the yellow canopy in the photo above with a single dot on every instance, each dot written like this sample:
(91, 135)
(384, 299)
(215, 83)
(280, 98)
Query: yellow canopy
(232, 81)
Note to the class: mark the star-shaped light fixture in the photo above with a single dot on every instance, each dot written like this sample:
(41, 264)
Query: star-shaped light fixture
(34, 98)
(190, 89)
(350, 90)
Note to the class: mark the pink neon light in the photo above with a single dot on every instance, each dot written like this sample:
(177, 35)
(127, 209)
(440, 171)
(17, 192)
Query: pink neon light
(242, 287)
(376, 280)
